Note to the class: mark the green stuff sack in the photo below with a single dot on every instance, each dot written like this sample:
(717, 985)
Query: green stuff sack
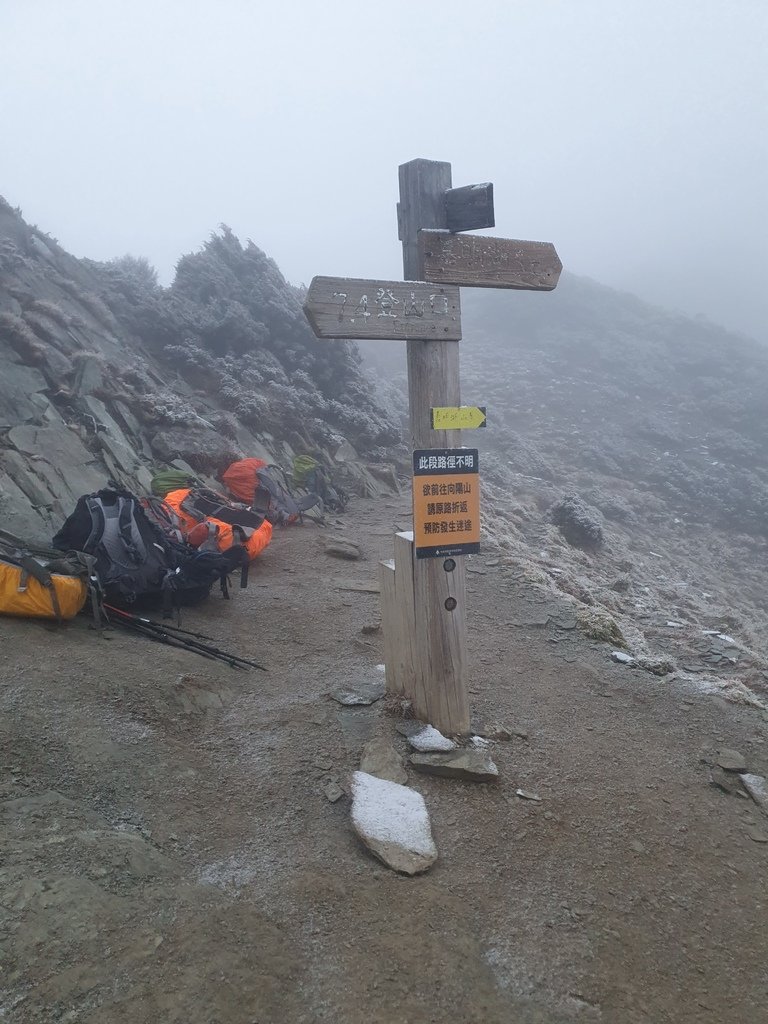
(303, 465)
(168, 480)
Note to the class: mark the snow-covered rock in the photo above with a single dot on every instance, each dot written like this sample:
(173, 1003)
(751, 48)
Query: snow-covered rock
(430, 739)
(393, 822)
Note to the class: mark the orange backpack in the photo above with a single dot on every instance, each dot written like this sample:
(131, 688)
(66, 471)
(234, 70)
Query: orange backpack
(241, 479)
(199, 528)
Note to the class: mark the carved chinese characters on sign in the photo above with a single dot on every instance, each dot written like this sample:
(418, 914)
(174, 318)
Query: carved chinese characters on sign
(355, 308)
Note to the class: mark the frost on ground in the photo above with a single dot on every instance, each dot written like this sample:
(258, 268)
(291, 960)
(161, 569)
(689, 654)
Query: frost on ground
(393, 822)
(233, 873)
(430, 739)
(733, 690)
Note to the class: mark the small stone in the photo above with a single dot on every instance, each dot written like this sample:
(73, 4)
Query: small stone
(470, 765)
(342, 547)
(324, 765)
(729, 782)
(757, 835)
(526, 794)
(637, 846)
(731, 760)
(757, 788)
(622, 658)
(333, 792)
(371, 628)
(394, 824)
(382, 760)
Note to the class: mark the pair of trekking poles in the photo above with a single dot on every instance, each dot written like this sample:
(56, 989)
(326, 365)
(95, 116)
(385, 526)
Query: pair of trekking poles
(175, 636)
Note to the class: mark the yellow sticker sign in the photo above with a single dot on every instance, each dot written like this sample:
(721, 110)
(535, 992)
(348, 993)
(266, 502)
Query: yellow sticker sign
(458, 417)
(446, 502)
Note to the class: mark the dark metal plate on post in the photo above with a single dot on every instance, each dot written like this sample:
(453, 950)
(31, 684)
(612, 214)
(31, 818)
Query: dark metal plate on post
(470, 207)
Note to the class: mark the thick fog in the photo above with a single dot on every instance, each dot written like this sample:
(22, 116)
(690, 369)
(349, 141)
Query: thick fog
(632, 134)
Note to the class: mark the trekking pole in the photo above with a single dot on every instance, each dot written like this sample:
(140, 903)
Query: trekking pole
(160, 637)
(160, 625)
(183, 643)
(156, 631)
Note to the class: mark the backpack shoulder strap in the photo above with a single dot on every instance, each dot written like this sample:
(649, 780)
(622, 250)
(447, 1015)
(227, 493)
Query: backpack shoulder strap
(95, 507)
(126, 508)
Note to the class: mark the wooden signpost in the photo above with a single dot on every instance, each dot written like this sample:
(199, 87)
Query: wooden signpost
(484, 262)
(349, 307)
(423, 589)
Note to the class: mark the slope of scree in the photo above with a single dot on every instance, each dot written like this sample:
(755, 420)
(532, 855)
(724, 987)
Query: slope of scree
(104, 374)
(624, 470)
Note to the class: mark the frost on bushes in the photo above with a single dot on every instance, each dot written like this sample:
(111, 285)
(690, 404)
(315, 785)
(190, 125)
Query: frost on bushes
(579, 523)
(170, 408)
(612, 506)
(225, 424)
(232, 325)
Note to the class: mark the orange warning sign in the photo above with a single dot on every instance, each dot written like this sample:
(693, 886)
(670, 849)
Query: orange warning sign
(446, 502)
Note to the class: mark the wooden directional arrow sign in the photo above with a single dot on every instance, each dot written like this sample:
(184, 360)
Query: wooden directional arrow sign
(481, 261)
(458, 417)
(350, 307)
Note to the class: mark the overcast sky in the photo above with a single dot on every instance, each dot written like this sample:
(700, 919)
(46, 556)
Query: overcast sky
(632, 133)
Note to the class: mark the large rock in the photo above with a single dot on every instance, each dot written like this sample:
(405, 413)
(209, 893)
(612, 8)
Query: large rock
(90, 373)
(112, 439)
(20, 397)
(202, 447)
(393, 823)
(58, 455)
(18, 517)
(25, 478)
(382, 760)
(471, 765)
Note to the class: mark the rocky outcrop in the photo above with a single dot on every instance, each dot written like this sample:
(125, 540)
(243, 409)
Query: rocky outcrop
(85, 398)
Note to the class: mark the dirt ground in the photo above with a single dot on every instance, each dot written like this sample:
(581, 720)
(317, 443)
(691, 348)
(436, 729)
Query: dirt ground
(168, 853)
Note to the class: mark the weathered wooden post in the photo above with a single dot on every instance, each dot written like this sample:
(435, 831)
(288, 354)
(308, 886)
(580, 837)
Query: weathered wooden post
(439, 693)
(423, 590)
